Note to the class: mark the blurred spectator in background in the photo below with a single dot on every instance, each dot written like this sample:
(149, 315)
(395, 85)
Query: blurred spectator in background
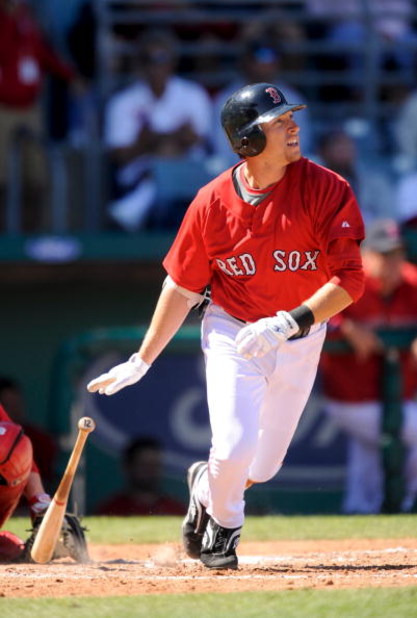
(25, 59)
(142, 468)
(351, 24)
(56, 17)
(207, 31)
(353, 382)
(337, 150)
(161, 115)
(44, 446)
(279, 27)
(405, 130)
(260, 62)
(406, 200)
(81, 40)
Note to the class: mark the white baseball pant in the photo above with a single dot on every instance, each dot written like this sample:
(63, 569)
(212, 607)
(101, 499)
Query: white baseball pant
(254, 406)
(361, 421)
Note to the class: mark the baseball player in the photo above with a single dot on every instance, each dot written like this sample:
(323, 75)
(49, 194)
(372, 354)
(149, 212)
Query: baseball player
(276, 237)
(19, 476)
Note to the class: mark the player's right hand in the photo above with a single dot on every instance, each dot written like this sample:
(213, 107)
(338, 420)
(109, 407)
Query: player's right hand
(118, 377)
(259, 338)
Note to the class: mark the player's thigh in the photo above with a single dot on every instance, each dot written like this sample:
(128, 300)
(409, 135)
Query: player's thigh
(288, 391)
(235, 386)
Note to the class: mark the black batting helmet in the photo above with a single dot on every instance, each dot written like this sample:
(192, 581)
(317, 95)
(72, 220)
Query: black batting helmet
(246, 109)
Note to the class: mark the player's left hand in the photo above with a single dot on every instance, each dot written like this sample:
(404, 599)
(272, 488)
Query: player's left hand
(257, 339)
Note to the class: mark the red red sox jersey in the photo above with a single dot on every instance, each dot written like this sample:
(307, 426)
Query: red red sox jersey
(347, 379)
(269, 257)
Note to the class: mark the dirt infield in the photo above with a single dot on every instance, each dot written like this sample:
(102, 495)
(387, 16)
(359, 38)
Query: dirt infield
(162, 569)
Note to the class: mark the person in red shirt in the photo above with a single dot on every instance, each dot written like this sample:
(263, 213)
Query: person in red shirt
(352, 382)
(142, 462)
(45, 448)
(277, 239)
(19, 476)
(25, 59)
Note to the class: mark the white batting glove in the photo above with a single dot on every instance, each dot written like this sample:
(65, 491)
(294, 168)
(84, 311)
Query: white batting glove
(118, 377)
(257, 339)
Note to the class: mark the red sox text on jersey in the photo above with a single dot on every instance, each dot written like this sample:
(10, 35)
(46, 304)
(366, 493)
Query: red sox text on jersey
(245, 263)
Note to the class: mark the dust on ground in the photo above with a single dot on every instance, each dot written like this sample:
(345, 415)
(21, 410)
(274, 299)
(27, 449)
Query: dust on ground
(164, 569)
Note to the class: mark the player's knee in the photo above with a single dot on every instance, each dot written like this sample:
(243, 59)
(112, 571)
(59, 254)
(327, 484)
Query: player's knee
(16, 455)
(238, 454)
(265, 475)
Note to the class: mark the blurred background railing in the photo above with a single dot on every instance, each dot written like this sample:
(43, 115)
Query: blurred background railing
(355, 82)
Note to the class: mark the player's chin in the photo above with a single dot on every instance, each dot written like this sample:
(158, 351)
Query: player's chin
(293, 153)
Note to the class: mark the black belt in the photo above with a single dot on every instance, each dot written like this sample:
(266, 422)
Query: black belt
(301, 333)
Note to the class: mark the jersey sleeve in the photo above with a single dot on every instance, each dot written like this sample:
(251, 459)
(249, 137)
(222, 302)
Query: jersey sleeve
(345, 265)
(187, 262)
(337, 213)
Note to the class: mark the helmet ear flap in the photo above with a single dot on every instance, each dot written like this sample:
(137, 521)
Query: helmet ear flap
(252, 142)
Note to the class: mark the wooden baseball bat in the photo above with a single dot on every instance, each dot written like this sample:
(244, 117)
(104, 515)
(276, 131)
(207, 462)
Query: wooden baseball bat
(50, 528)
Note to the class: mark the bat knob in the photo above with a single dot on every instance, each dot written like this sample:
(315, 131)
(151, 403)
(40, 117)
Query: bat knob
(86, 424)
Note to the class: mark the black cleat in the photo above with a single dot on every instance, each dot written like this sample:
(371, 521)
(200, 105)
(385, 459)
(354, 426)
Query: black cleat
(196, 520)
(219, 546)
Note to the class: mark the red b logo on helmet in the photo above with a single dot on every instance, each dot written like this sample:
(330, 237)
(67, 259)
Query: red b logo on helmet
(273, 93)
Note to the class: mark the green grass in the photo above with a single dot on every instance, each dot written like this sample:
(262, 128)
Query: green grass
(287, 527)
(371, 603)
(328, 603)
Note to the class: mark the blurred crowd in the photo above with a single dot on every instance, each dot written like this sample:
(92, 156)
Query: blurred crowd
(149, 87)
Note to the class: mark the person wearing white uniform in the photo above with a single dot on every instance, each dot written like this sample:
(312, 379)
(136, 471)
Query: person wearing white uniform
(160, 115)
(276, 238)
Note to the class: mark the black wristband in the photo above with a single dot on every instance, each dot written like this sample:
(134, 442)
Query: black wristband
(303, 316)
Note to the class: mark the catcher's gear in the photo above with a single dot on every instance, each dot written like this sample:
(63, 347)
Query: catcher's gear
(257, 339)
(11, 546)
(119, 376)
(71, 542)
(16, 455)
(246, 109)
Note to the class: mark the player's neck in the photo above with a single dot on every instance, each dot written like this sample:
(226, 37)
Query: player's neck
(260, 175)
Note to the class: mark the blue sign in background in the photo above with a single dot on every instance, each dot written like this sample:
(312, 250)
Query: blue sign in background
(170, 404)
